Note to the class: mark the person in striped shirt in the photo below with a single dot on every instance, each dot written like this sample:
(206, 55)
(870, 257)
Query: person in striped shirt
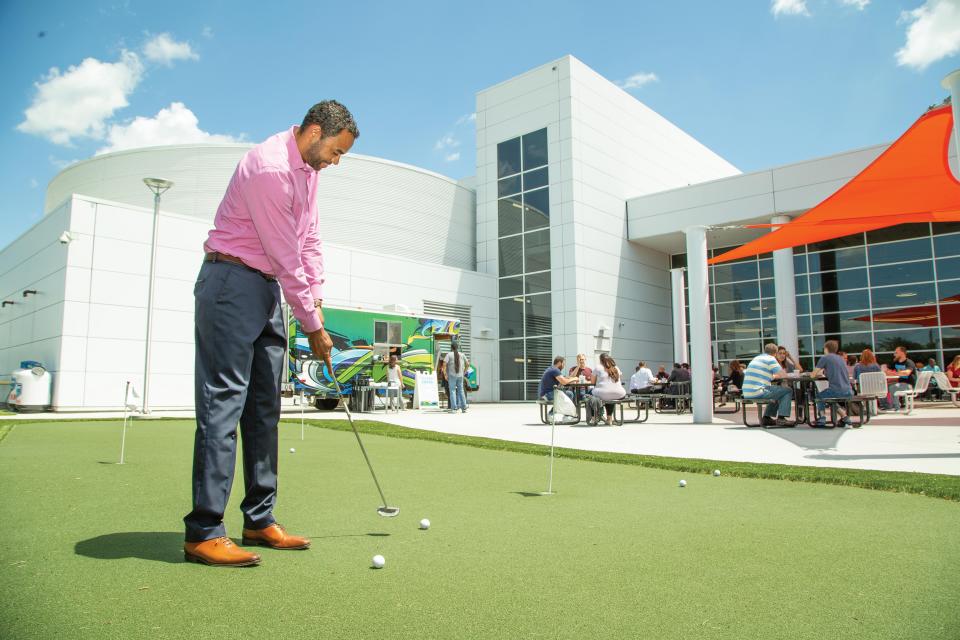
(757, 379)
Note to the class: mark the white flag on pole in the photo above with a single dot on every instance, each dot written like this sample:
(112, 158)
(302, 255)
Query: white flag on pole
(130, 402)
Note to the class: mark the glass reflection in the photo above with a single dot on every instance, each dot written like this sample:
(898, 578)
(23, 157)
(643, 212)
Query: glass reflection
(898, 273)
(509, 220)
(508, 158)
(918, 249)
(535, 149)
(511, 359)
(510, 252)
(538, 321)
(536, 213)
(536, 247)
(905, 294)
(511, 317)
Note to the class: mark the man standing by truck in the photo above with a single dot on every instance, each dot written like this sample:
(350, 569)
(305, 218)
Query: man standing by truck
(264, 240)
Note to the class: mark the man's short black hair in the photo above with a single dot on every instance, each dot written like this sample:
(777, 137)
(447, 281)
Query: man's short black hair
(559, 360)
(332, 118)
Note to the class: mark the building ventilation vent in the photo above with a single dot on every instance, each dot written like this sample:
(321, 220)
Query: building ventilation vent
(460, 311)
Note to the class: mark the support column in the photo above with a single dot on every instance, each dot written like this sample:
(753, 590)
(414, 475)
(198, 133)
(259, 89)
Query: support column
(786, 294)
(952, 84)
(679, 318)
(701, 364)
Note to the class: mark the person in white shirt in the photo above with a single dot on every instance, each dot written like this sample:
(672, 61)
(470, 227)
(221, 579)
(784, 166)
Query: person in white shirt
(641, 380)
(394, 381)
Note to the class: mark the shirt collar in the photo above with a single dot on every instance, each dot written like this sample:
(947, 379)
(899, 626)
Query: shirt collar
(296, 160)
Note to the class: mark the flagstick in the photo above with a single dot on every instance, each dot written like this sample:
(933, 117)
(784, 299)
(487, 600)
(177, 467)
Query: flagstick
(126, 412)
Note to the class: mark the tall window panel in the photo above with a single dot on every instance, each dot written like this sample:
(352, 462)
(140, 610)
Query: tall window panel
(523, 248)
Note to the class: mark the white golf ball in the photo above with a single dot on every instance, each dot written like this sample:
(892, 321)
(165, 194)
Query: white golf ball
(292, 450)
(378, 562)
(683, 483)
(424, 524)
(716, 472)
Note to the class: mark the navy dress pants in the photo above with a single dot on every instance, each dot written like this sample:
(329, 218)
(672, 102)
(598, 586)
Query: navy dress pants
(240, 357)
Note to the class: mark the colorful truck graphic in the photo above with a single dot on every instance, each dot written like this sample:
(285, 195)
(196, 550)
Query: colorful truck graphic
(362, 342)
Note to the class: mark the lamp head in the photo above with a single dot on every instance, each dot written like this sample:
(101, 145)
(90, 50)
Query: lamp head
(157, 185)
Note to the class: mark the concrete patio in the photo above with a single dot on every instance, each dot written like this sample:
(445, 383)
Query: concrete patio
(926, 441)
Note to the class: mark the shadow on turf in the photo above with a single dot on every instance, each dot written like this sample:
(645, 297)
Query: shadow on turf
(528, 494)
(161, 546)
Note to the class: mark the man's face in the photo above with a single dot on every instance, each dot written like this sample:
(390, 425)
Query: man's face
(581, 361)
(899, 355)
(324, 152)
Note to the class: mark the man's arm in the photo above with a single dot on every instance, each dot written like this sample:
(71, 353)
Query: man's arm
(313, 261)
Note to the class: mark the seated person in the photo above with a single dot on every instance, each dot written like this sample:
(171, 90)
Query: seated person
(907, 375)
(662, 375)
(680, 373)
(932, 390)
(580, 369)
(834, 368)
(868, 364)
(553, 377)
(607, 386)
(734, 381)
(757, 385)
(953, 372)
(642, 380)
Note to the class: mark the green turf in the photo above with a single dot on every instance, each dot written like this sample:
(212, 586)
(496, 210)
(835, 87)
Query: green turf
(92, 550)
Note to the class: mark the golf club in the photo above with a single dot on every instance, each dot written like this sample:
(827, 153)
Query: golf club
(384, 510)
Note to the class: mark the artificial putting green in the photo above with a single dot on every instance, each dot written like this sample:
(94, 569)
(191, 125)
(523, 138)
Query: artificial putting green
(93, 549)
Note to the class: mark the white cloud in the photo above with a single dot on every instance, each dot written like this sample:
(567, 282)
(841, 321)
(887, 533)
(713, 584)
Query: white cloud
(174, 125)
(60, 163)
(637, 80)
(933, 34)
(445, 143)
(469, 117)
(77, 102)
(163, 49)
(207, 32)
(860, 5)
(452, 157)
(33, 183)
(789, 8)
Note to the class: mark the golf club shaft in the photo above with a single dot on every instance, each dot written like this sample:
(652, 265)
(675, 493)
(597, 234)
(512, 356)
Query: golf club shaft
(359, 441)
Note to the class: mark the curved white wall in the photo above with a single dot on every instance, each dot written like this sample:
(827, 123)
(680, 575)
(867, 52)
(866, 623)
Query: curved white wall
(366, 203)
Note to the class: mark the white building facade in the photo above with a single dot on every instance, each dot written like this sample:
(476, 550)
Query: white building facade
(562, 243)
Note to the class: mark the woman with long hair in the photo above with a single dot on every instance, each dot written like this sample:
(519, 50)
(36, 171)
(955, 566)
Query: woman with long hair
(735, 378)
(953, 371)
(606, 386)
(456, 367)
(868, 364)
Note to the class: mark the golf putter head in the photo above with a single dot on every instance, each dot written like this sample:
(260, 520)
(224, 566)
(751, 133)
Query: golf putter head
(388, 512)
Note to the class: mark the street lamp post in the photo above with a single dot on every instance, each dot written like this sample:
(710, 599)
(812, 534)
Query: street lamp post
(157, 186)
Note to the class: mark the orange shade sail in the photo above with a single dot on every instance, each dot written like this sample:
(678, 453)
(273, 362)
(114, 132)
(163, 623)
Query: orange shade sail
(909, 182)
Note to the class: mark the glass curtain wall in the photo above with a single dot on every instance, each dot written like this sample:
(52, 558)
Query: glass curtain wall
(891, 287)
(523, 232)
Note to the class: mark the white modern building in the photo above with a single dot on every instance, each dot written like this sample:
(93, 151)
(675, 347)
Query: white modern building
(562, 243)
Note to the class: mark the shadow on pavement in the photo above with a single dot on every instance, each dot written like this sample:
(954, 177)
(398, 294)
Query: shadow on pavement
(803, 437)
(161, 546)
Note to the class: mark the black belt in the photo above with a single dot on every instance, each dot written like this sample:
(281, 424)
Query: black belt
(223, 257)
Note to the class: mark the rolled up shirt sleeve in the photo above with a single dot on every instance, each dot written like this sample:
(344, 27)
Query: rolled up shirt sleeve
(269, 198)
(313, 260)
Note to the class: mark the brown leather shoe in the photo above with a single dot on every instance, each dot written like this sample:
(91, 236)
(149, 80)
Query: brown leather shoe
(275, 537)
(219, 552)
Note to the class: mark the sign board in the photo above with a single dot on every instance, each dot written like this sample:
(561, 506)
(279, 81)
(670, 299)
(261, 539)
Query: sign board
(425, 393)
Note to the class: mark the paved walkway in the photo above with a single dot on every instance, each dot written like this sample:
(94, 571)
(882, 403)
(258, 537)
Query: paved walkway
(927, 441)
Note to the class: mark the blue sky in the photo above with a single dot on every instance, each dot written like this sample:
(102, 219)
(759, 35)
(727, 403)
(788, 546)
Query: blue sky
(762, 83)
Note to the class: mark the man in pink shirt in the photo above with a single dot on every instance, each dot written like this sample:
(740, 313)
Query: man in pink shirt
(264, 240)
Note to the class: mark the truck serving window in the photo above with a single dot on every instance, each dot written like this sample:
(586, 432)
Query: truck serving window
(387, 332)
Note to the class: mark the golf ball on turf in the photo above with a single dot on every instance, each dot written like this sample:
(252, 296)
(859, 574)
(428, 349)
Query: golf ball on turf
(716, 472)
(292, 450)
(378, 562)
(424, 524)
(683, 483)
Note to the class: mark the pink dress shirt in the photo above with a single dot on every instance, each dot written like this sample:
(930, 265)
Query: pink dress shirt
(268, 219)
